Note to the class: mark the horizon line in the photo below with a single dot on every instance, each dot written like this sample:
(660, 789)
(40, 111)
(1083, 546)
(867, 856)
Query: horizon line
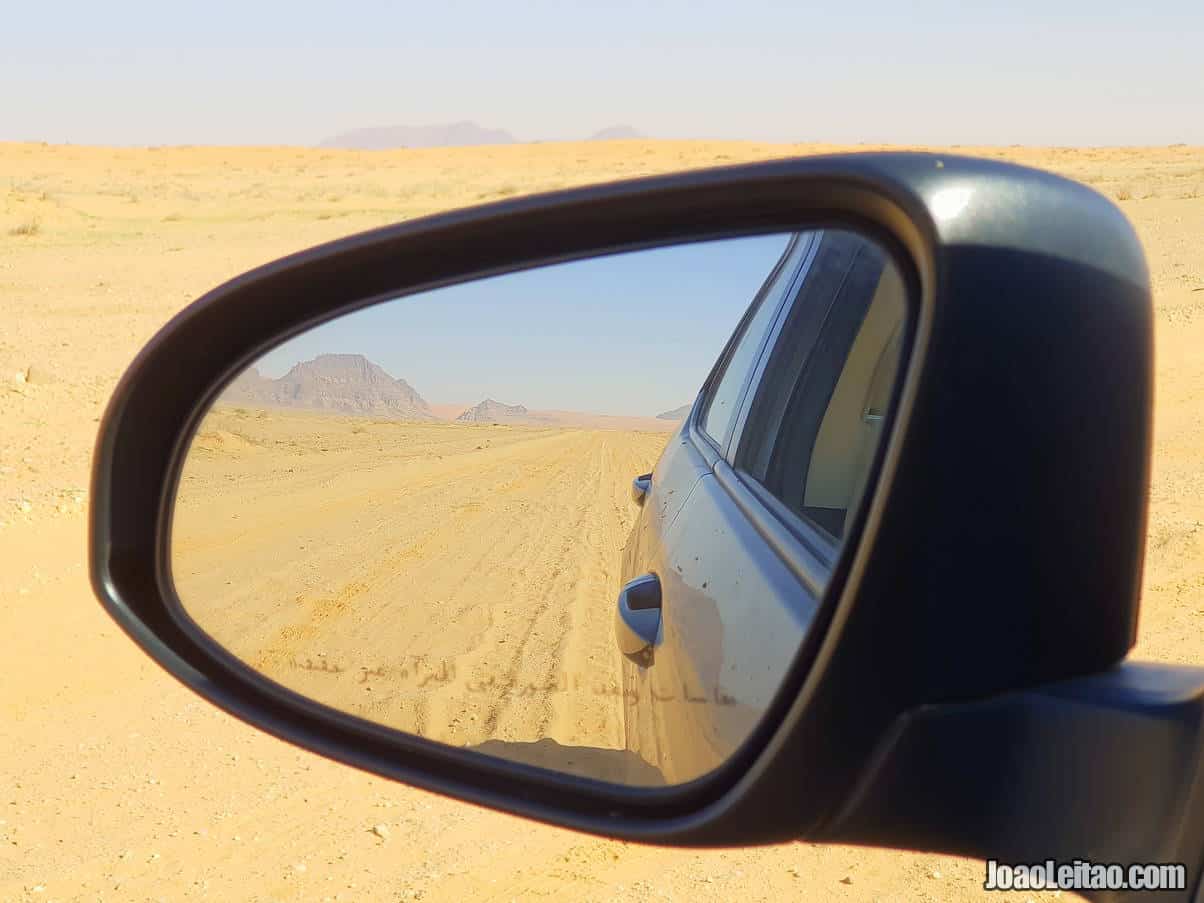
(36, 142)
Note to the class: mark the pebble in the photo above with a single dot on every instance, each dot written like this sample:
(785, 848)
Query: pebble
(381, 831)
(935, 873)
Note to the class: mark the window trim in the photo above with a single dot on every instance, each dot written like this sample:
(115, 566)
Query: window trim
(809, 550)
(808, 554)
(710, 445)
(749, 391)
(836, 325)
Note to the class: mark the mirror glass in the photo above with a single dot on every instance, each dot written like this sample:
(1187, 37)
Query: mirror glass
(491, 515)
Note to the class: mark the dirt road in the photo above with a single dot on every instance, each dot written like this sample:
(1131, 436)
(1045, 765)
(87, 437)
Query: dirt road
(117, 784)
(451, 580)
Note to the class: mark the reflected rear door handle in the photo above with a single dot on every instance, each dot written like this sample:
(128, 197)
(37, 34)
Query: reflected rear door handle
(640, 486)
(638, 619)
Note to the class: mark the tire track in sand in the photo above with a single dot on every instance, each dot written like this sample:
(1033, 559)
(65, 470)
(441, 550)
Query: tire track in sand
(493, 565)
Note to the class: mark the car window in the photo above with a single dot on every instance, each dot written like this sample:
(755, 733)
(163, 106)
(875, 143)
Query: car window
(724, 399)
(816, 417)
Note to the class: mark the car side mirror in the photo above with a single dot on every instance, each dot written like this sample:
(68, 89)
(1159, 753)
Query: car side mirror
(640, 486)
(964, 548)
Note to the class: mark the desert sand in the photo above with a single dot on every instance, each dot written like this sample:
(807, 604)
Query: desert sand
(118, 784)
(452, 580)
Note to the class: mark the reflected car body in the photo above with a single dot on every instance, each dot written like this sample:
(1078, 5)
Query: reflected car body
(739, 545)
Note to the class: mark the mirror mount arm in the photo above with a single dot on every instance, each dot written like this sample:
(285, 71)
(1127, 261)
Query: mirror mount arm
(1045, 773)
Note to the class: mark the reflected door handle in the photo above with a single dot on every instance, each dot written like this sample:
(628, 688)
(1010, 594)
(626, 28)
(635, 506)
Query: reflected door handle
(638, 619)
(640, 486)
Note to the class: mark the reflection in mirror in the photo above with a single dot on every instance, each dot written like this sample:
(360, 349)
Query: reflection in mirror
(421, 513)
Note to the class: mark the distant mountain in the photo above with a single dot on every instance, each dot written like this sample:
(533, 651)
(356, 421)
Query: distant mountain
(344, 383)
(490, 411)
(249, 387)
(676, 413)
(547, 418)
(617, 133)
(454, 134)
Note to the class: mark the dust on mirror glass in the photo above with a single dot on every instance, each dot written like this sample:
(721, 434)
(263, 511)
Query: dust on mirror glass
(488, 514)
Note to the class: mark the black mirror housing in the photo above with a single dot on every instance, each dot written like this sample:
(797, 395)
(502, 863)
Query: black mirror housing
(1001, 552)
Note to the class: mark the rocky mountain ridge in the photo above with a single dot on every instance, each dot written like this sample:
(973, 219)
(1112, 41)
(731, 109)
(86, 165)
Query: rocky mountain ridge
(345, 383)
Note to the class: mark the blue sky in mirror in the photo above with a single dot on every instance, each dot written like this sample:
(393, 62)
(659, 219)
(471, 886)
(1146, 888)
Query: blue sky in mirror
(630, 334)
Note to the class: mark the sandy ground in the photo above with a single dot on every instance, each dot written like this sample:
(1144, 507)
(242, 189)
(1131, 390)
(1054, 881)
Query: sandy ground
(455, 581)
(118, 784)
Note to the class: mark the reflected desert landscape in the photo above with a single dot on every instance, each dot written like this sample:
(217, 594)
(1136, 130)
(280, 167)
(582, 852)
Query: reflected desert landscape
(455, 580)
(121, 785)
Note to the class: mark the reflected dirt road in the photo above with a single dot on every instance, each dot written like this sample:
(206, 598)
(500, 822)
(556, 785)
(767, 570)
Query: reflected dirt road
(450, 580)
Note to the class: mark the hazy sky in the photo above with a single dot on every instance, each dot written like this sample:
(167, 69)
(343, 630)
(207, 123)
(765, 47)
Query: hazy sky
(632, 333)
(295, 71)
